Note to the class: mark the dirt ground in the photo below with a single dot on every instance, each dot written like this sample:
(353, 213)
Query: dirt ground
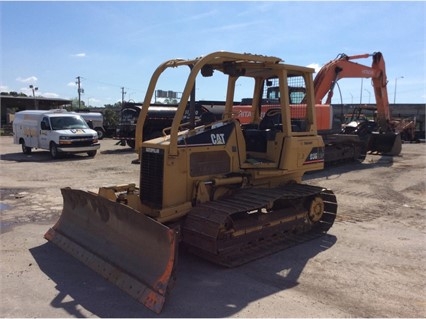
(371, 263)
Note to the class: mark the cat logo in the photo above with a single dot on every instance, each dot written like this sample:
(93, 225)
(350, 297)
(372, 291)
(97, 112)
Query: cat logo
(218, 139)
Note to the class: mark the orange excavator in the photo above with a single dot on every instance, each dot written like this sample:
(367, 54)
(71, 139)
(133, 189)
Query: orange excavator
(381, 133)
(376, 133)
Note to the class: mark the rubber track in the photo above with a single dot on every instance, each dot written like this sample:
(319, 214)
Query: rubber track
(204, 230)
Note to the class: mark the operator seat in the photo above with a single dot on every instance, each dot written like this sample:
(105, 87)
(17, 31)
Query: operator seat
(271, 120)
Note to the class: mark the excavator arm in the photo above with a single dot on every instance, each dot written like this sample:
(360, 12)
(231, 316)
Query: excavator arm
(344, 67)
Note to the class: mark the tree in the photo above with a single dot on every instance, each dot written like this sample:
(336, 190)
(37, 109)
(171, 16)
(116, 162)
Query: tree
(170, 101)
(75, 106)
(112, 114)
(111, 117)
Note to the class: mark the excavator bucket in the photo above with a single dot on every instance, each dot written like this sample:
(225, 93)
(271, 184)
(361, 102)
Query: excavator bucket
(126, 247)
(387, 143)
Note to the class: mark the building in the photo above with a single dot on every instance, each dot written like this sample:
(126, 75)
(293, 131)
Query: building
(9, 104)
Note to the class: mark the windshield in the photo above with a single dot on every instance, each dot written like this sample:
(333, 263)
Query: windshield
(68, 122)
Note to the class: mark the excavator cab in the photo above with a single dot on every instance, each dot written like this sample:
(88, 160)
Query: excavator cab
(229, 192)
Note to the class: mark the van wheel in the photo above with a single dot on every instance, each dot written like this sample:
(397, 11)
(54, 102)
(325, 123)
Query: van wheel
(53, 150)
(100, 132)
(91, 153)
(25, 149)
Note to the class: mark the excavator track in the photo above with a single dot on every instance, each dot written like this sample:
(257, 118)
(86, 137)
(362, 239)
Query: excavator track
(256, 222)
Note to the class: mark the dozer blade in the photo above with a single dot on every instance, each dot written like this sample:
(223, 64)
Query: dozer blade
(126, 247)
(387, 143)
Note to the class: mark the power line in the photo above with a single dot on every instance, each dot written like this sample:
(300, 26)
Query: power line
(80, 90)
(104, 83)
(116, 85)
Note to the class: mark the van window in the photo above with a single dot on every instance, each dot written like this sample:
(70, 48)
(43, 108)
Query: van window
(45, 125)
(68, 122)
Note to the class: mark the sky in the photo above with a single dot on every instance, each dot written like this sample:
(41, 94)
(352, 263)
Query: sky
(113, 45)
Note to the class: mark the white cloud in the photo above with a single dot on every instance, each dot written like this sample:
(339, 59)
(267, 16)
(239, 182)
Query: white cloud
(4, 88)
(50, 95)
(72, 84)
(79, 55)
(93, 101)
(315, 66)
(31, 79)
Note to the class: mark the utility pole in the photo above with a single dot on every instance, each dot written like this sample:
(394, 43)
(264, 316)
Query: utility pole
(394, 93)
(122, 96)
(79, 90)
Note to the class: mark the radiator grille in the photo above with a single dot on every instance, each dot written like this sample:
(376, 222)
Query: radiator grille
(78, 140)
(151, 179)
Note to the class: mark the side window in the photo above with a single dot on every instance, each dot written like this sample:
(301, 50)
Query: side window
(273, 93)
(299, 116)
(45, 124)
(297, 95)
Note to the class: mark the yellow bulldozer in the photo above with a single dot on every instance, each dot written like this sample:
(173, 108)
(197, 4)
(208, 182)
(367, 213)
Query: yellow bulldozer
(228, 192)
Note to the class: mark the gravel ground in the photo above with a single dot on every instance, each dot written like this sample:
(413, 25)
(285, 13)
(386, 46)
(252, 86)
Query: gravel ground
(370, 264)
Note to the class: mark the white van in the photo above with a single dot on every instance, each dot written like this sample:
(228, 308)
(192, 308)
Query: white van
(55, 130)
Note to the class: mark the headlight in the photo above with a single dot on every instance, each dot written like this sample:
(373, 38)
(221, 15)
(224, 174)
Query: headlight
(65, 140)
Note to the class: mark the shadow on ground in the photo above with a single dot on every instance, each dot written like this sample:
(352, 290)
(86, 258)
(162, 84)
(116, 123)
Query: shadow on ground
(341, 168)
(43, 156)
(202, 289)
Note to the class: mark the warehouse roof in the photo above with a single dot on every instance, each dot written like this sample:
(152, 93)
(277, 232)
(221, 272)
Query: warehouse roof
(11, 103)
